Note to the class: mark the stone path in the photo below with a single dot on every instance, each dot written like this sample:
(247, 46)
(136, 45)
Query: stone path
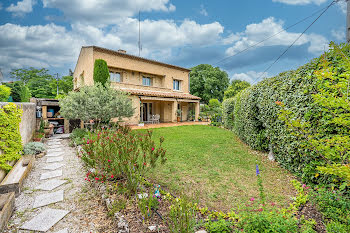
(56, 197)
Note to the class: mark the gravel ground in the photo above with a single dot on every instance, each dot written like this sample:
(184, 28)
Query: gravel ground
(87, 211)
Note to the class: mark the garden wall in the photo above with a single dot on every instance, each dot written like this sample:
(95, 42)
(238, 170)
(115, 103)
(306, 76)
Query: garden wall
(28, 124)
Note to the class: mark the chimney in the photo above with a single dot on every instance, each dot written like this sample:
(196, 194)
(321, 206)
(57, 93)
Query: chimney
(121, 51)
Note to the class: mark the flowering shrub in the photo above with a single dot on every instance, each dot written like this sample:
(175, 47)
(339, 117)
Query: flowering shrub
(121, 154)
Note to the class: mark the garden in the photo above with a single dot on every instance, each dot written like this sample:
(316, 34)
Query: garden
(191, 178)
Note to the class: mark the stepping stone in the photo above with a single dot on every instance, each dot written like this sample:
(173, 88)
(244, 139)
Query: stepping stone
(51, 184)
(65, 230)
(54, 159)
(54, 146)
(53, 166)
(51, 174)
(54, 150)
(48, 198)
(53, 154)
(45, 220)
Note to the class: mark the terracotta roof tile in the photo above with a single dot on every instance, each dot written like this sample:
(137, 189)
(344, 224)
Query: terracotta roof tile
(161, 94)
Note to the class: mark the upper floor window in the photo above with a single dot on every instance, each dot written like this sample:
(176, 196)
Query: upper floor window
(176, 85)
(115, 77)
(146, 81)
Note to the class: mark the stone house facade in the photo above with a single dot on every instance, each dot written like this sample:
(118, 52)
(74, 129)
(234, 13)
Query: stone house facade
(155, 88)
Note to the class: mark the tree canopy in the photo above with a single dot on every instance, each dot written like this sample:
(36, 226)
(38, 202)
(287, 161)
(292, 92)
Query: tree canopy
(235, 87)
(98, 103)
(208, 82)
(39, 82)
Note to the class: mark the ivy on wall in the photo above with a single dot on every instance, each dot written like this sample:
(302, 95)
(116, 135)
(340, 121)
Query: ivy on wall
(10, 138)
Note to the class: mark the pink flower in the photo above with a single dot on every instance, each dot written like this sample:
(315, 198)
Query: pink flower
(252, 199)
(304, 185)
(260, 209)
(109, 160)
(96, 178)
(112, 176)
(152, 148)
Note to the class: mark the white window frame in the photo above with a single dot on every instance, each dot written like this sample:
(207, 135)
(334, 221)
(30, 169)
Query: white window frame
(113, 76)
(178, 86)
(148, 84)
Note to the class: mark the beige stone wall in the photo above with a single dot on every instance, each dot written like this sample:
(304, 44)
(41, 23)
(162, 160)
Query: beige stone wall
(132, 71)
(84, 70)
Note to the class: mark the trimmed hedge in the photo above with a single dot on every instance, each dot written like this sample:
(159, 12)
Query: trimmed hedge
(253, 116)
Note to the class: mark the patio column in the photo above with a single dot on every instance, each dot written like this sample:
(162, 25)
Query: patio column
(196, 111)
(173, 111)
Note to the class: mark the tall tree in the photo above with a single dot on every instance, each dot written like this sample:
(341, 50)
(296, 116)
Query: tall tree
(235, 87)
(101, 72)
(37, 80)
(65, 85)
(208, 82)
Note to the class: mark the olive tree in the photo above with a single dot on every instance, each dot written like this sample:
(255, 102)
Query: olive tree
(98, 103)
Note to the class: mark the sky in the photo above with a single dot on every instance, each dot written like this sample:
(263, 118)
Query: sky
(50, 33)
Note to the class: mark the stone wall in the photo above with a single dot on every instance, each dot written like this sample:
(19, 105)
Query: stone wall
(28, 123)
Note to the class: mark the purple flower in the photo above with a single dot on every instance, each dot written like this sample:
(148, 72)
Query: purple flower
(257, 170)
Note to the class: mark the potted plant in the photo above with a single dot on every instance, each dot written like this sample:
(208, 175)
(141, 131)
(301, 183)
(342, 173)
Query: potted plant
(178, 114)
(141, 123)
(37, 136)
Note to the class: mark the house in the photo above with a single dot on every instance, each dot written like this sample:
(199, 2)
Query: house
(155, 88)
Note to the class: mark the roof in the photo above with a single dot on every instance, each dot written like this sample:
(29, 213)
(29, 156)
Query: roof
(178, 95)
(136, 57)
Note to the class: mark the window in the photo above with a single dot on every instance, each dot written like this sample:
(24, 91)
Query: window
(115, 77)
(146, 81)
(176, 85)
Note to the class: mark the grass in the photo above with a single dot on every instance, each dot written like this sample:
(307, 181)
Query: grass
(211, 165)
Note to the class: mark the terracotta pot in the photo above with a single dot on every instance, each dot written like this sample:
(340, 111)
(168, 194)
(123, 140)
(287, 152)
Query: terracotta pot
(178, 119)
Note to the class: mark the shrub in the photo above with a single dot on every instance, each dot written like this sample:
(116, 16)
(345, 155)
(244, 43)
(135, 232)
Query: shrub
(4, 93)
(101, 72)
(10, 138)
(33, 148)
(78, 135)
(219, 226)
(227, 112)
(122, 154)
(256, 117)
(96, 103)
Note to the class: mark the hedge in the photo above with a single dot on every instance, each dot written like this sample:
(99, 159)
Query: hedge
(253, 115)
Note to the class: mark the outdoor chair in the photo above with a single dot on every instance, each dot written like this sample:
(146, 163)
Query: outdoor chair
(155, 119)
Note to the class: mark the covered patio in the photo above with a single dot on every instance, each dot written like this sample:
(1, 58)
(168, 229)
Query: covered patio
(162, 125)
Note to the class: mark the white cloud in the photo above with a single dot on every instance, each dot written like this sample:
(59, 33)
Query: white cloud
(55, 46)
(21, 8)
(255, 33)
(301, 2)
(342, 6)
(203, 11)
(250, 76)
(107, 11)
(339, 34)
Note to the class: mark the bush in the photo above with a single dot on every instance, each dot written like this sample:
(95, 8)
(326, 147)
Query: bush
(335, 207)
(256, 117)
(10, 138)
(33, 148)
(4, 93)
(219, 226)
(101, 72)
(78, 135)
(227, 112)
(97, 103)
(122, 154)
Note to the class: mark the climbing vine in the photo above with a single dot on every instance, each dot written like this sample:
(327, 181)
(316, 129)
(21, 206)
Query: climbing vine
(10, 138)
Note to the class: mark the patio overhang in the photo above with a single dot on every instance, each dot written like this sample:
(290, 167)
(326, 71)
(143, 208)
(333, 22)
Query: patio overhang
(156, 98)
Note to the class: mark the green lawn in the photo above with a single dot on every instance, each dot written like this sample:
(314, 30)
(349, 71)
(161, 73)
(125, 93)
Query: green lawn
(213, 166)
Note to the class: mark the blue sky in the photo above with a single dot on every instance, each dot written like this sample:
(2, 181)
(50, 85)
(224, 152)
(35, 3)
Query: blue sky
(50, 33)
